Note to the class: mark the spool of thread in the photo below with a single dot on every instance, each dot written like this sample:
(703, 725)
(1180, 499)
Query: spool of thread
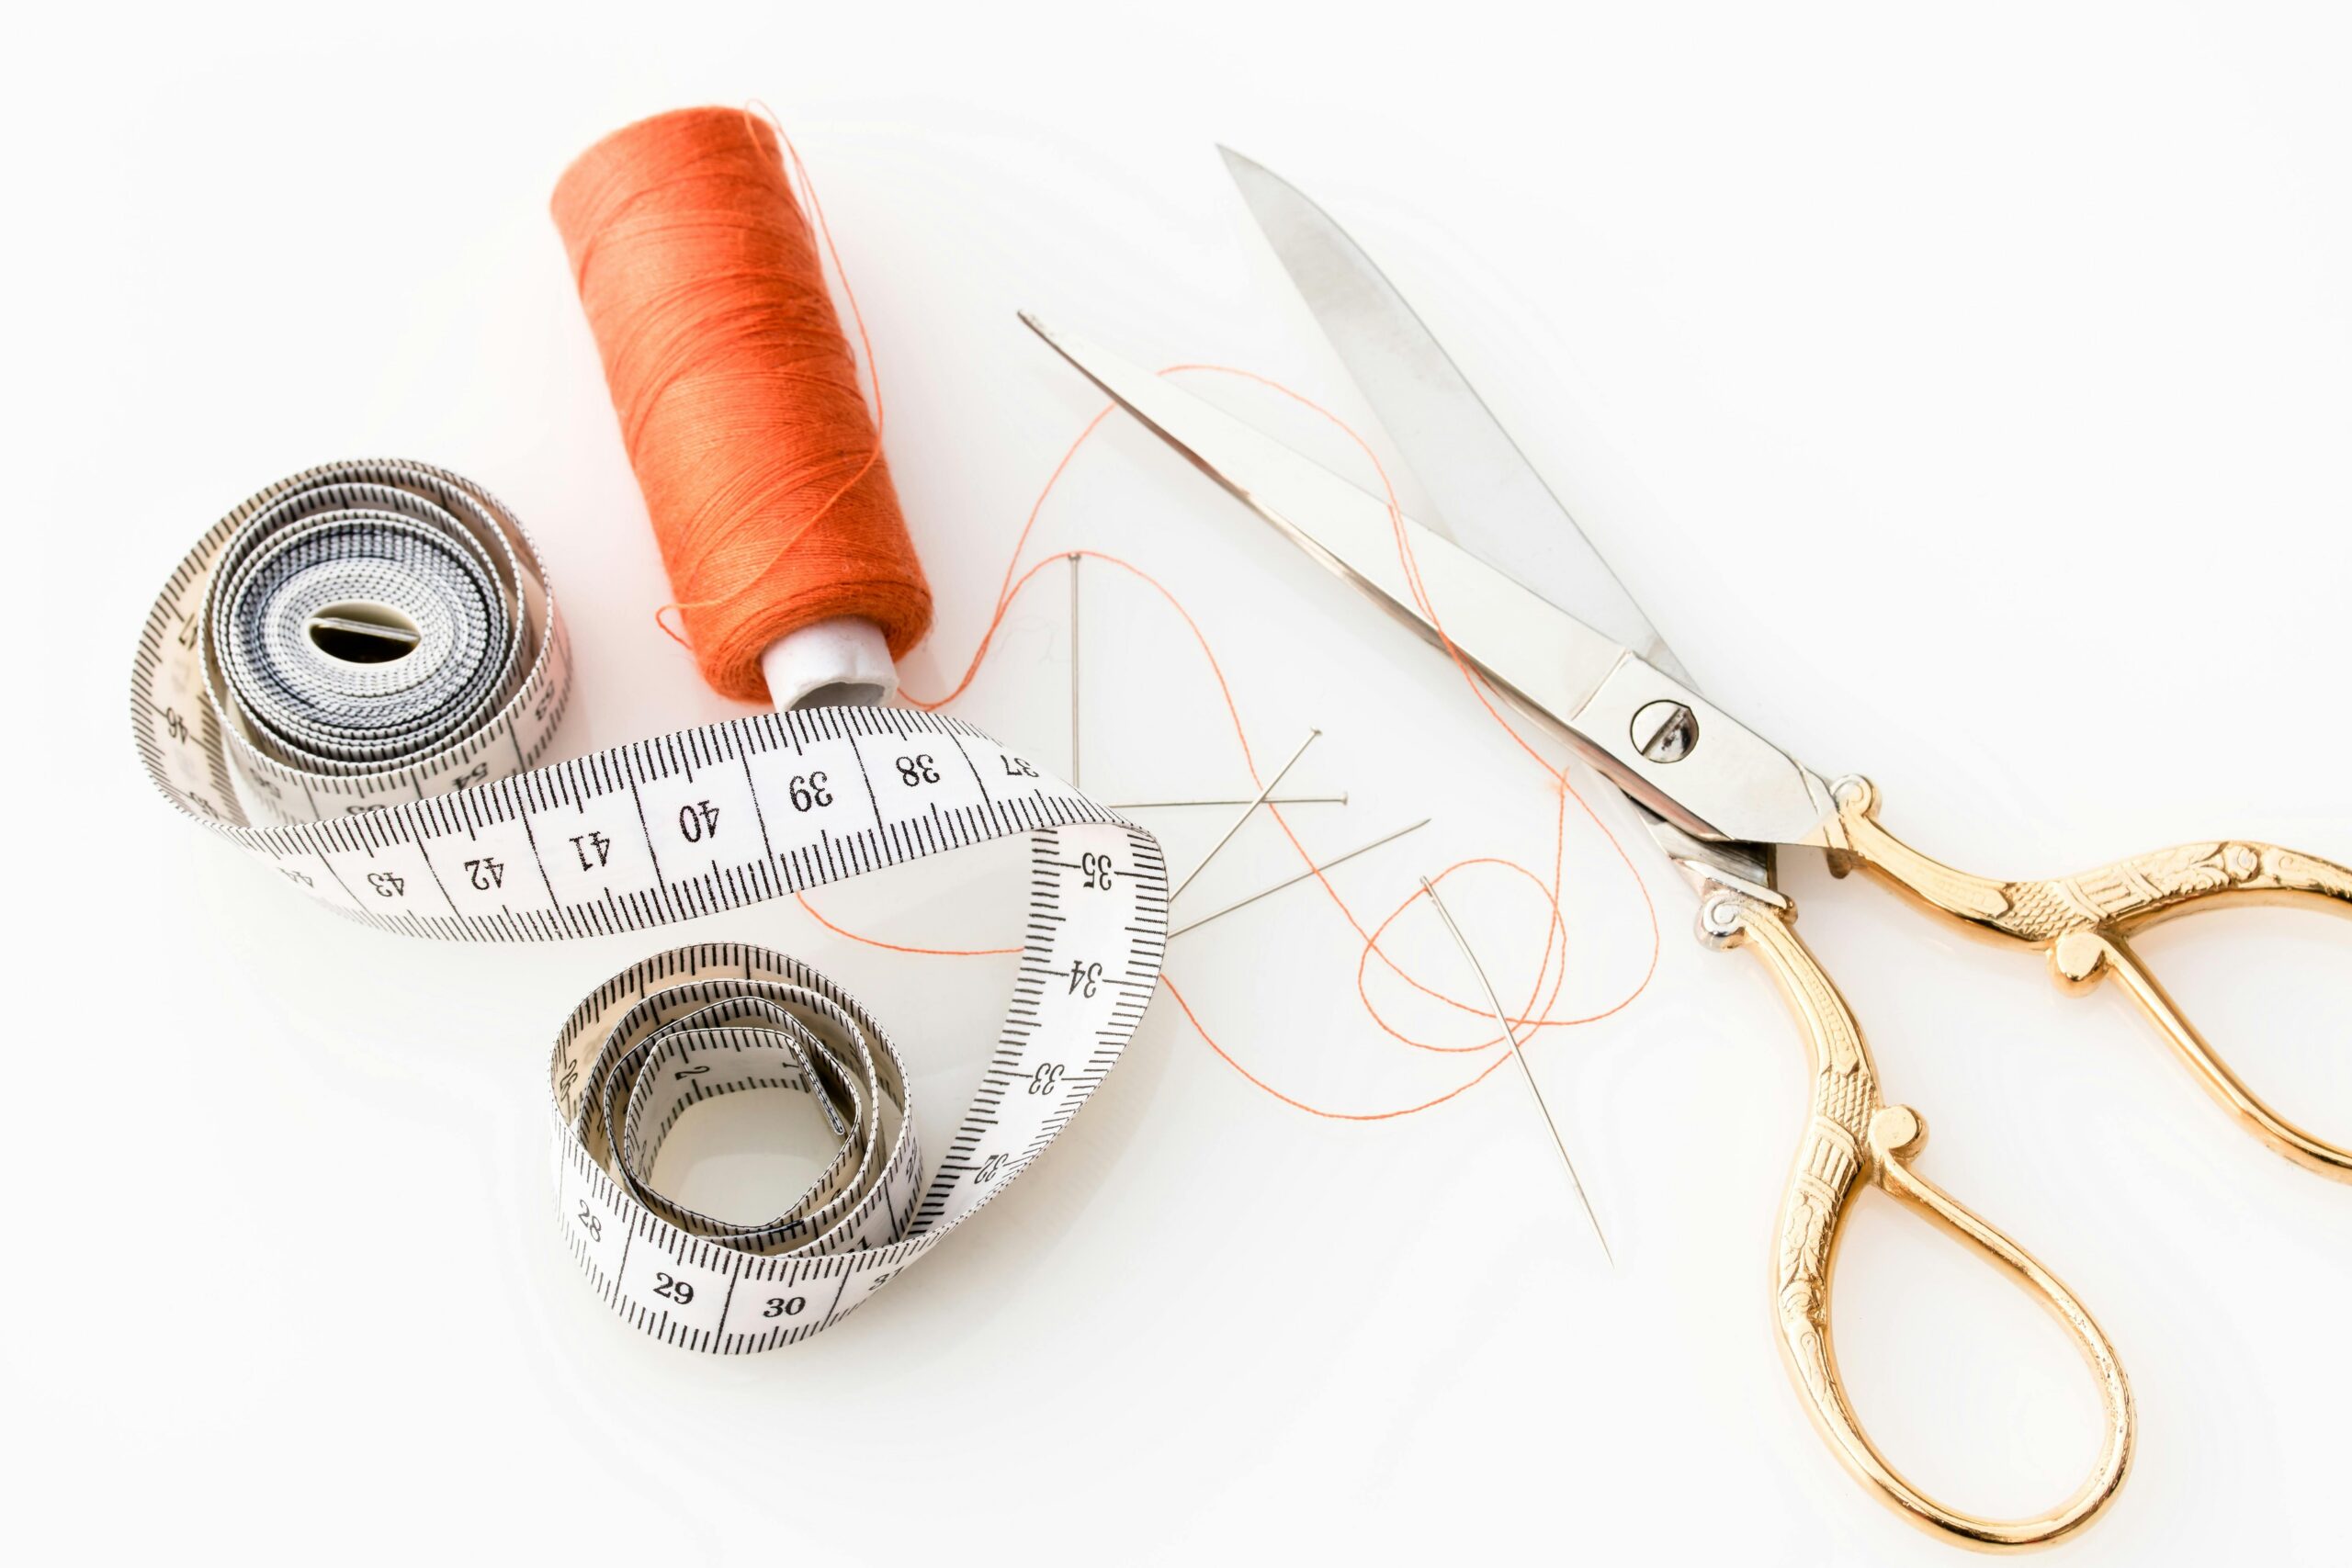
(738, 401)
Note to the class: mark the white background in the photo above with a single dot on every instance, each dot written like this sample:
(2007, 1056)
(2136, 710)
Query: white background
(1965, 393)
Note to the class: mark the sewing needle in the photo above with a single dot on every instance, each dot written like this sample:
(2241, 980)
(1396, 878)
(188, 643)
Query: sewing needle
(1295, 881)
(1259, 800)
(1503, 1020)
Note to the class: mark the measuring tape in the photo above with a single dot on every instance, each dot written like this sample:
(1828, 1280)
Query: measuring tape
(353, 676)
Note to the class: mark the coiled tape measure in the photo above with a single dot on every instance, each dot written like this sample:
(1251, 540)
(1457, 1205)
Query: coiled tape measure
(353, 677)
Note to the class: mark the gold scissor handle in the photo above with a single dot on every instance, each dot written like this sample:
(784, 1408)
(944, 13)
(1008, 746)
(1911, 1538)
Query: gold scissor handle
(1852, 1137)
(2082, 923)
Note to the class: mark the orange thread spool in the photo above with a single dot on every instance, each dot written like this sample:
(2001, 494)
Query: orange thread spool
(738, 396)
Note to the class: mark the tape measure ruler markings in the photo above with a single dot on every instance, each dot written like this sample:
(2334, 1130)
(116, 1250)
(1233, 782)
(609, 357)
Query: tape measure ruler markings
(468, 841)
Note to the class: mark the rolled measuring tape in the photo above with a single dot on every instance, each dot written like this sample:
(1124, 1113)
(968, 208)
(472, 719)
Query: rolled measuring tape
(353, 677)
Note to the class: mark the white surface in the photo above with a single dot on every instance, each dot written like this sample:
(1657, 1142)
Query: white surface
(843, 652)
(1963, 395)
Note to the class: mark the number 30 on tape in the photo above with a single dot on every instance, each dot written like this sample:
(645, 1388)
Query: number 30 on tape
(353, 677)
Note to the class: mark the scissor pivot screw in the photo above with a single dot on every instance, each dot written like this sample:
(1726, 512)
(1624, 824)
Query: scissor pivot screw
(1664, 730)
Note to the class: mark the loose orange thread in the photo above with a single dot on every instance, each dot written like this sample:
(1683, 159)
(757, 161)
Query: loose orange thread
(1552, 971)
(739, 403)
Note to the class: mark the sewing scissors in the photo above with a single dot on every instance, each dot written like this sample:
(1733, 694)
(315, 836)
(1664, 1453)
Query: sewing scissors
(1512, 585)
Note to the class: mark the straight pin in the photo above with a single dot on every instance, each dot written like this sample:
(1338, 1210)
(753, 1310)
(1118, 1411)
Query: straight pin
(1341, 799)
(1295, 881)
(1074, 558)
(1246, 810)
(1502, 1020)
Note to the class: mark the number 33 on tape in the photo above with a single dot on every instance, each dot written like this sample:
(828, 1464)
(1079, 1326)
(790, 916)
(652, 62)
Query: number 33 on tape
(355, 676)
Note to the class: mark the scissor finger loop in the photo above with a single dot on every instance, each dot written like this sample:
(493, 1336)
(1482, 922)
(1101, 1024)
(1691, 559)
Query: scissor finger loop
(2082, 958)
(1852, 1137)
(2084, 923)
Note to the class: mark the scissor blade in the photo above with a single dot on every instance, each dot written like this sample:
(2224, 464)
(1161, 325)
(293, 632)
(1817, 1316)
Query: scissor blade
(1733, 786)
(1493, 502)
(1547, 655)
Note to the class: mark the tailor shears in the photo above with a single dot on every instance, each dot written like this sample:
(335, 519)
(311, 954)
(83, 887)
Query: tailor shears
(1526, 599)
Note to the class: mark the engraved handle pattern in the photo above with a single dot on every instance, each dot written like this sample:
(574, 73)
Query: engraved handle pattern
(1851, 1136)
(2083, 922)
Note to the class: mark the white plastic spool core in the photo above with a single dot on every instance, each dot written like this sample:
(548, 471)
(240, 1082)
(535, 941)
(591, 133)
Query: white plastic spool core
(360, 632)
(843, 663)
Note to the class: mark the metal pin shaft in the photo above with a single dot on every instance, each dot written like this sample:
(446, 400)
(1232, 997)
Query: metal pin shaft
(1341, 799)
(1502, 1020)
(1246, 810)
(1295, 881)
(1074, 558)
